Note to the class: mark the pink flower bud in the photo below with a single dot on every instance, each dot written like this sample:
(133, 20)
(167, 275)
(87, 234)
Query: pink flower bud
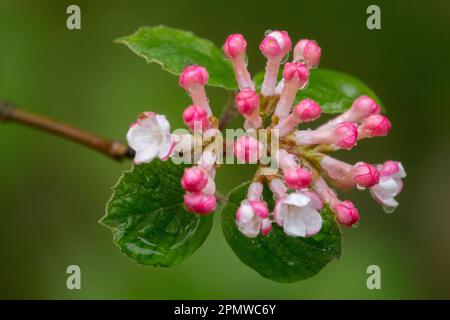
(274, 47)
(362, 108)
(193, 75)
(193, 80)
(344, 136)
(347, 133)
(346, 213)
(365, 106)
(234, 49)
(296, 77)
(260, 208)
(196, 118)
(389, 168)
(298, 178)
(247, 101)
(365, 175)
(247, 149)
(235, 46)
(308, 110)
(276, 44)
(296, 71)
(194, 179)
(200, 203)
(309, 52)
(375, 126)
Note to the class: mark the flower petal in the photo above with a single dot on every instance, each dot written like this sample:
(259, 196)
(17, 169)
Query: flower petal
(312, 220)
(297, 199)
(140, 138)
(146, 155)
(401, 171)
(166, 147)
(315, 203)
(293, 223)
(163, 124)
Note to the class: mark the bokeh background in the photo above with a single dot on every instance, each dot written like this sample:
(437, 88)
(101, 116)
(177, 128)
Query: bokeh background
(53, 192)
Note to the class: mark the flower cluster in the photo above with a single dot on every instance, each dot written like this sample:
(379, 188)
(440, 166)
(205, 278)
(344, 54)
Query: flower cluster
(307, 175)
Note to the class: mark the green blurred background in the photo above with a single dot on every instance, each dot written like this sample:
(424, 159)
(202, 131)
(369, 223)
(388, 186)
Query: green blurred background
(53, 192)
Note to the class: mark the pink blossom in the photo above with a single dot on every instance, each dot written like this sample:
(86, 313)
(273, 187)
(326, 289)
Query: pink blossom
(194, 179)
(247, 102)
(361, 108)
(200, 203)
(344, 136)
(274, 47)
(365, 175)
(196, 118)
(234, 48)
(295, 77)
(307, 110)
(309, 52)
(346, 213)
(374, 126)
(193, 80)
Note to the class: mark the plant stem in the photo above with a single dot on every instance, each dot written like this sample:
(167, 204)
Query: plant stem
(229, 112)
(110, 148)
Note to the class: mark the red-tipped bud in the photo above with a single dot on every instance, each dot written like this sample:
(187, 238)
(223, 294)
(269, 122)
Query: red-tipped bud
(308, 110)
(309, 52)
(200, 203)
(376, 126)
(196, 118)
(347, 133)
(346, 213)
(193, 75)
(247, 101)
(234, 46)
(365, 175)
(389, 168)
(365, 106)
(298, 178)
(260, 208)
(276, 44)
(296, 71)
(194, 179)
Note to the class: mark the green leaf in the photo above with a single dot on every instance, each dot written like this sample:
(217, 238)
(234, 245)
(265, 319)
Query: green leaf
(277, 256)
(175, 49)
(333, 90)
(147, 217)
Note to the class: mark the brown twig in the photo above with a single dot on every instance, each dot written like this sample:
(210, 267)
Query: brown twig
(110, 148)
(229, 112)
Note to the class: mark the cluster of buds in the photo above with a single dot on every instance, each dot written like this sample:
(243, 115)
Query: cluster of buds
(306, 176)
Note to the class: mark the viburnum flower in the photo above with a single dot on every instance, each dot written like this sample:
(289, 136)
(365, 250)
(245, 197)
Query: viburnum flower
(297, 212)
(150, 137)
(252, 217)
(389, 185)
(306, 177)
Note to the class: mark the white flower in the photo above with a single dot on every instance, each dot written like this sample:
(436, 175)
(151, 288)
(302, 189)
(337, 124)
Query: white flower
(298, 214)
(150, 137)
(252, 217)
(389, 185)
